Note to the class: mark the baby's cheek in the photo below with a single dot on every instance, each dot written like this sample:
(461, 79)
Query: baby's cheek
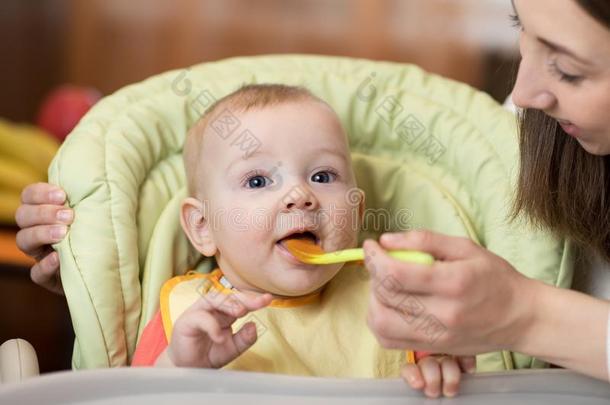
(250, 243)
(342, 227)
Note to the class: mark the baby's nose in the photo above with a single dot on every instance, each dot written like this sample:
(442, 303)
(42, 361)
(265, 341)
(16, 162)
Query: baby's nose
(306, 204)
(300, 198)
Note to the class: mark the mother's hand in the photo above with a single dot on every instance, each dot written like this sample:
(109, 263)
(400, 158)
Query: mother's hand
(43, 220)
(469, 301)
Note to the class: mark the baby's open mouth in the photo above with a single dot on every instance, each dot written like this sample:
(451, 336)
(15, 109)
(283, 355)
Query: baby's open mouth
(307, 235)
(303, 235)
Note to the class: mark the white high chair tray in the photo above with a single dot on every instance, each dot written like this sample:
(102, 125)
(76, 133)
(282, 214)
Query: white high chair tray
(163, 386)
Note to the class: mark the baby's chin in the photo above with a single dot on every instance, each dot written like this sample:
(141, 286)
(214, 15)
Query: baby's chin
(294, 281)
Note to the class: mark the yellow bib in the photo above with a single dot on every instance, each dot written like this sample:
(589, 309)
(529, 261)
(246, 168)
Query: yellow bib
(322, 334)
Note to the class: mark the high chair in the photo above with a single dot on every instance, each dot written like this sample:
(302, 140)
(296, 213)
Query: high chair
(434, 153)
(18, 361)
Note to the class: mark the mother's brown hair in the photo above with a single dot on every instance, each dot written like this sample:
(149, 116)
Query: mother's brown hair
(561, 186)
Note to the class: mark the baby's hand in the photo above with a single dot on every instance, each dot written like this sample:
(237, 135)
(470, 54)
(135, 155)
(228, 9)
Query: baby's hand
(202, 335)
(435, 372)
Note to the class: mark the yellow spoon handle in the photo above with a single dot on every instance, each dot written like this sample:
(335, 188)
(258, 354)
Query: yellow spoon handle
(412, 256)
(349, 255)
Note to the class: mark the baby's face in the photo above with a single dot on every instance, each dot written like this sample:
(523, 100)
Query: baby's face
(298, 181)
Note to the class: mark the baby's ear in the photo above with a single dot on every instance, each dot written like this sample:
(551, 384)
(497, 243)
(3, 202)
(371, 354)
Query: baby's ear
(194, 223)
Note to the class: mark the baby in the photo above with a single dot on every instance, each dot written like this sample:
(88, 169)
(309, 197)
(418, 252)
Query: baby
(265, 164)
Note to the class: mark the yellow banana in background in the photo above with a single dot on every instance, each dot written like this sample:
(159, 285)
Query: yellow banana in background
(27, 144)
(15, 175)
(25, 155)
(9, 202)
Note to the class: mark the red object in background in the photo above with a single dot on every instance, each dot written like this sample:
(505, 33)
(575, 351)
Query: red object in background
(63, 108)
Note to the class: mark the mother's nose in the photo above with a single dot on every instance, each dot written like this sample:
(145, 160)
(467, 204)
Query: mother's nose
(531, 88)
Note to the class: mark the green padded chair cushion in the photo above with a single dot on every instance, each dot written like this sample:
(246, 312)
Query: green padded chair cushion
(434, 153)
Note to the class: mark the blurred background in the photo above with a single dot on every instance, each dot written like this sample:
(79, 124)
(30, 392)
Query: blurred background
(60, 56)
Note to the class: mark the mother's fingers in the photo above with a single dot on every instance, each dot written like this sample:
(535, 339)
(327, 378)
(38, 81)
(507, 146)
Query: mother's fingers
(42, 193)
(390, 276)
(442, 247)
(46, 273)
(394, 275)
(28, 215)
(32, 241)
(408, 326)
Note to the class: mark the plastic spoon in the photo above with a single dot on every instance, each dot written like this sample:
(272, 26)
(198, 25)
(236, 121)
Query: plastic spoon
(307, 251)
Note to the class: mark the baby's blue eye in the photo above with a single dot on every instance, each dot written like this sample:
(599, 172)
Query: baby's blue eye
(258, 181)
(323, 177)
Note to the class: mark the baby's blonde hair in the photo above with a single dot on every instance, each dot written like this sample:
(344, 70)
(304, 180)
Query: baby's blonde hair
(248, 97)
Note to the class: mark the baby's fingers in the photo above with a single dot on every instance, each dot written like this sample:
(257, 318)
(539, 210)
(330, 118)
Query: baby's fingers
(451, 375)
(244, 338)
(251, 301)
(468, 364)
(431, 372)
(192, 323)
(235, 346)
(233, 305)
(412, 375)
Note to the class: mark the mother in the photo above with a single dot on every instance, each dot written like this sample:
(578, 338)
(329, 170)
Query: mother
(563, 86)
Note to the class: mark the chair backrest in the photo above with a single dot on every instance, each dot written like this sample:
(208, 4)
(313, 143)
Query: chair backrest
(431, 152)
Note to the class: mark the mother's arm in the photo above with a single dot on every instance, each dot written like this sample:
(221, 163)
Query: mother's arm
(481, 304)
(569, 329)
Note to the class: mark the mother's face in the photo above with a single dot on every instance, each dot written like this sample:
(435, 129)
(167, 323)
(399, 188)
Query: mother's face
(565, 69)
